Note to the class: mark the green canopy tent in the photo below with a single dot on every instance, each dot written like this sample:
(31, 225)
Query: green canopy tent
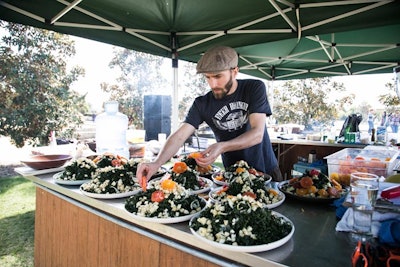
(273, 37)
(336, 54)
(276, 39)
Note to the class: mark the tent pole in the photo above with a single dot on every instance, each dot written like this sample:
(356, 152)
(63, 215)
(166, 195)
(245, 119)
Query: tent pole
(175, 97)
(175, 101)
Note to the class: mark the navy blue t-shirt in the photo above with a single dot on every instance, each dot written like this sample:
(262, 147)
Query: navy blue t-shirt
(229, 118)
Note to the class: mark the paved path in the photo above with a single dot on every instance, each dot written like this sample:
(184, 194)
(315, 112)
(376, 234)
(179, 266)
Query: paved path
(10, 154)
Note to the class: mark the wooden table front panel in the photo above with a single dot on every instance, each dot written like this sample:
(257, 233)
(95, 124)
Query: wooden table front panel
(67, 235)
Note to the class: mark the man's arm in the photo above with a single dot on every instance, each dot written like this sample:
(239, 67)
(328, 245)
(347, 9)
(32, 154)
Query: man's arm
(174, 142)
(250, 138)
(171, 146)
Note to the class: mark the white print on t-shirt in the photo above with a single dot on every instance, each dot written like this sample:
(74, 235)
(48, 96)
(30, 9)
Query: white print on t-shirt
(235, 119)
(239, 105)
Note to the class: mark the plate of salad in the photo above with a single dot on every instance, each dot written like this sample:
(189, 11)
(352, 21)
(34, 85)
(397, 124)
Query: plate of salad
(77, 172)
(111, 182)
(59, 179)
(313, 186)
(190, 161)
(270, 197)
(242, 224)
(183, 175)
(237, 171)
(164, 201)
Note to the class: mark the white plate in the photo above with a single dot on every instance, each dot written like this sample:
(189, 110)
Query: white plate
(207, 187)
(276, 204)
(166, 220)
(267, 181)
(217, 181)
(212, 192)
(269, 206)
(109, 196)
(249, 249)
(56, 178)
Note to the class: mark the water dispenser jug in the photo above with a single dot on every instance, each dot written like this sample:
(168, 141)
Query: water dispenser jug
(111, 127)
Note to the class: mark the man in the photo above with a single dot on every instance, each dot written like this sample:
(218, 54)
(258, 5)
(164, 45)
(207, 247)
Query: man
(236, 112)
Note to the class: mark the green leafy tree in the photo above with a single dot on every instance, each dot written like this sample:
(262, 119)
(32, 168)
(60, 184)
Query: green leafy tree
(140, 74)
(390, 100)
(35, 85)
(310, 100)
(194, 85)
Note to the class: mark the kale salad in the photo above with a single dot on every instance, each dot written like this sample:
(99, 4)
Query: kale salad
(113, 175)
(164, 199)
(240, 221)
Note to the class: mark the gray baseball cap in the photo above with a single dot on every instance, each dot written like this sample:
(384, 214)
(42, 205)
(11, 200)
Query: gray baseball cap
(217, 59)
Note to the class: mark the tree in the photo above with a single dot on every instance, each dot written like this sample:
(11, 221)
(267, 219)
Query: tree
(390, 100)
(195, 85)
(309, 101)
(35, 85)
(140, 74)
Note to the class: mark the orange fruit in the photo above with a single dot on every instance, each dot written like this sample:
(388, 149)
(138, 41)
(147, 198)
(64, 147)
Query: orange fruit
(179, 167)
(203, 169)
(240, 170)
(335, 176)
(312, 189)
(301, 191)
(273, 192)
(157, 196)
(306, 182)
(195, 155)
(168, 184)
(323, 193)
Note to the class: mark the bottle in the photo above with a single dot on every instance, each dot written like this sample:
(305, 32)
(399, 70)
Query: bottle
(312, 156)
(111, 127)
(53, 140)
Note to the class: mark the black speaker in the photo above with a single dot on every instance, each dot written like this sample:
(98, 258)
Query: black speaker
(157, 115)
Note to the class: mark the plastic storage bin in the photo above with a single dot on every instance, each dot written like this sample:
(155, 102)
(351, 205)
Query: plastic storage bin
(349, 160)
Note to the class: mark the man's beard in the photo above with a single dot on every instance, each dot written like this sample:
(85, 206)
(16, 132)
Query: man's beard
(222, 92)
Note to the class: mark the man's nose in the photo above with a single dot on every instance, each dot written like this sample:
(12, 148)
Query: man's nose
(213, 83)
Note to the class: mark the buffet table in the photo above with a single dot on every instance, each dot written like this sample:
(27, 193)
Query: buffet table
(72, 229)
(288, 151)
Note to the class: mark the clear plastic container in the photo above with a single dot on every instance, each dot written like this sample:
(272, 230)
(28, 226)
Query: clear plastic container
(111, 127)
(348, 160)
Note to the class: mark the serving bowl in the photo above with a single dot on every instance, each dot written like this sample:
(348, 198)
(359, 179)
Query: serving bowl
(40, 162)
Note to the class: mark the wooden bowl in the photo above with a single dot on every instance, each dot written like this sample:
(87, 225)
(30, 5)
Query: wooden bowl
(40, 162)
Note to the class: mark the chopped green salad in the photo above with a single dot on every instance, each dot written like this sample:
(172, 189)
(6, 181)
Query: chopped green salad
(79, 169)
(240, 221)
(164, 199)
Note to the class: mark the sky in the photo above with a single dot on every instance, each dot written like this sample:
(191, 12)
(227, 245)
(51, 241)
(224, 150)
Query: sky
(95, 57)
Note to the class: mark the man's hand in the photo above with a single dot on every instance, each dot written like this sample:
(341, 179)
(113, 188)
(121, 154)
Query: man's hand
(209, 155)
(145, 171)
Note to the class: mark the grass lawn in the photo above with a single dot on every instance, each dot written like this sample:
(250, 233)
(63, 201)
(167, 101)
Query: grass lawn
(17, 220)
